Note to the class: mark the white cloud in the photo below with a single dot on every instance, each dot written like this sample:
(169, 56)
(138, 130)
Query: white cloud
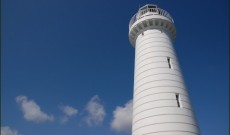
(68, 112)
(122, 118)
(32, 111)
(96, 112)
(8, 131)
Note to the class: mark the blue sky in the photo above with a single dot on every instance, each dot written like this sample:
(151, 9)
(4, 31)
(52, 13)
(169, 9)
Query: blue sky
(68, 59)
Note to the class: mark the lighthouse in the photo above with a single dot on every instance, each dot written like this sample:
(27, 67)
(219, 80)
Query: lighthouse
(161, 104)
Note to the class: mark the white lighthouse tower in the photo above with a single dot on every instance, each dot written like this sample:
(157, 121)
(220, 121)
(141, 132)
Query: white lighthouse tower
(161, 104)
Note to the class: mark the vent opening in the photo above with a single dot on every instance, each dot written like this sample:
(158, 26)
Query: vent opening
(161, 23)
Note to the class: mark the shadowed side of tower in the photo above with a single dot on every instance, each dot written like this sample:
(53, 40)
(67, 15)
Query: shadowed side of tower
(161, 104)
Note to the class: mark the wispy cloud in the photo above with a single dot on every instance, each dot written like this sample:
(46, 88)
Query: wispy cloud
(68, 112)
(122, 118)
(95, 112)
(8, 131)
(32, 111)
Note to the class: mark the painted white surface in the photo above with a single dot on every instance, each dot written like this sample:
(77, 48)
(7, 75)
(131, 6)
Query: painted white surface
(155, 107)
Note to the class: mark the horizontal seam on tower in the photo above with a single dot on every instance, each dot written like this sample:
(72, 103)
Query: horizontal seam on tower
(159, 92)
(158, 81)
(134, 122)
(143, 39)
(156, 68)
(149, 39)
(134, 108)
(155, 101)
(152, 36)
(159, 107)
(149, 63)
(164, 123)
(153, 57)
(136, 70)
(150, 33)
(153, 47)
(154, 75)
(171, 131)
(154, 62)
(160, 51)
(142, 45)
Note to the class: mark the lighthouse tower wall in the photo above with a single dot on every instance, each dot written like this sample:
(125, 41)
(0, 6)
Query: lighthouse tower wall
(161, 104)
(158, 87)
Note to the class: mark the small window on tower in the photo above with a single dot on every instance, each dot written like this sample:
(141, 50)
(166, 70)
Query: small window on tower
(169, 62)
(142, 33)
(178, 100)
